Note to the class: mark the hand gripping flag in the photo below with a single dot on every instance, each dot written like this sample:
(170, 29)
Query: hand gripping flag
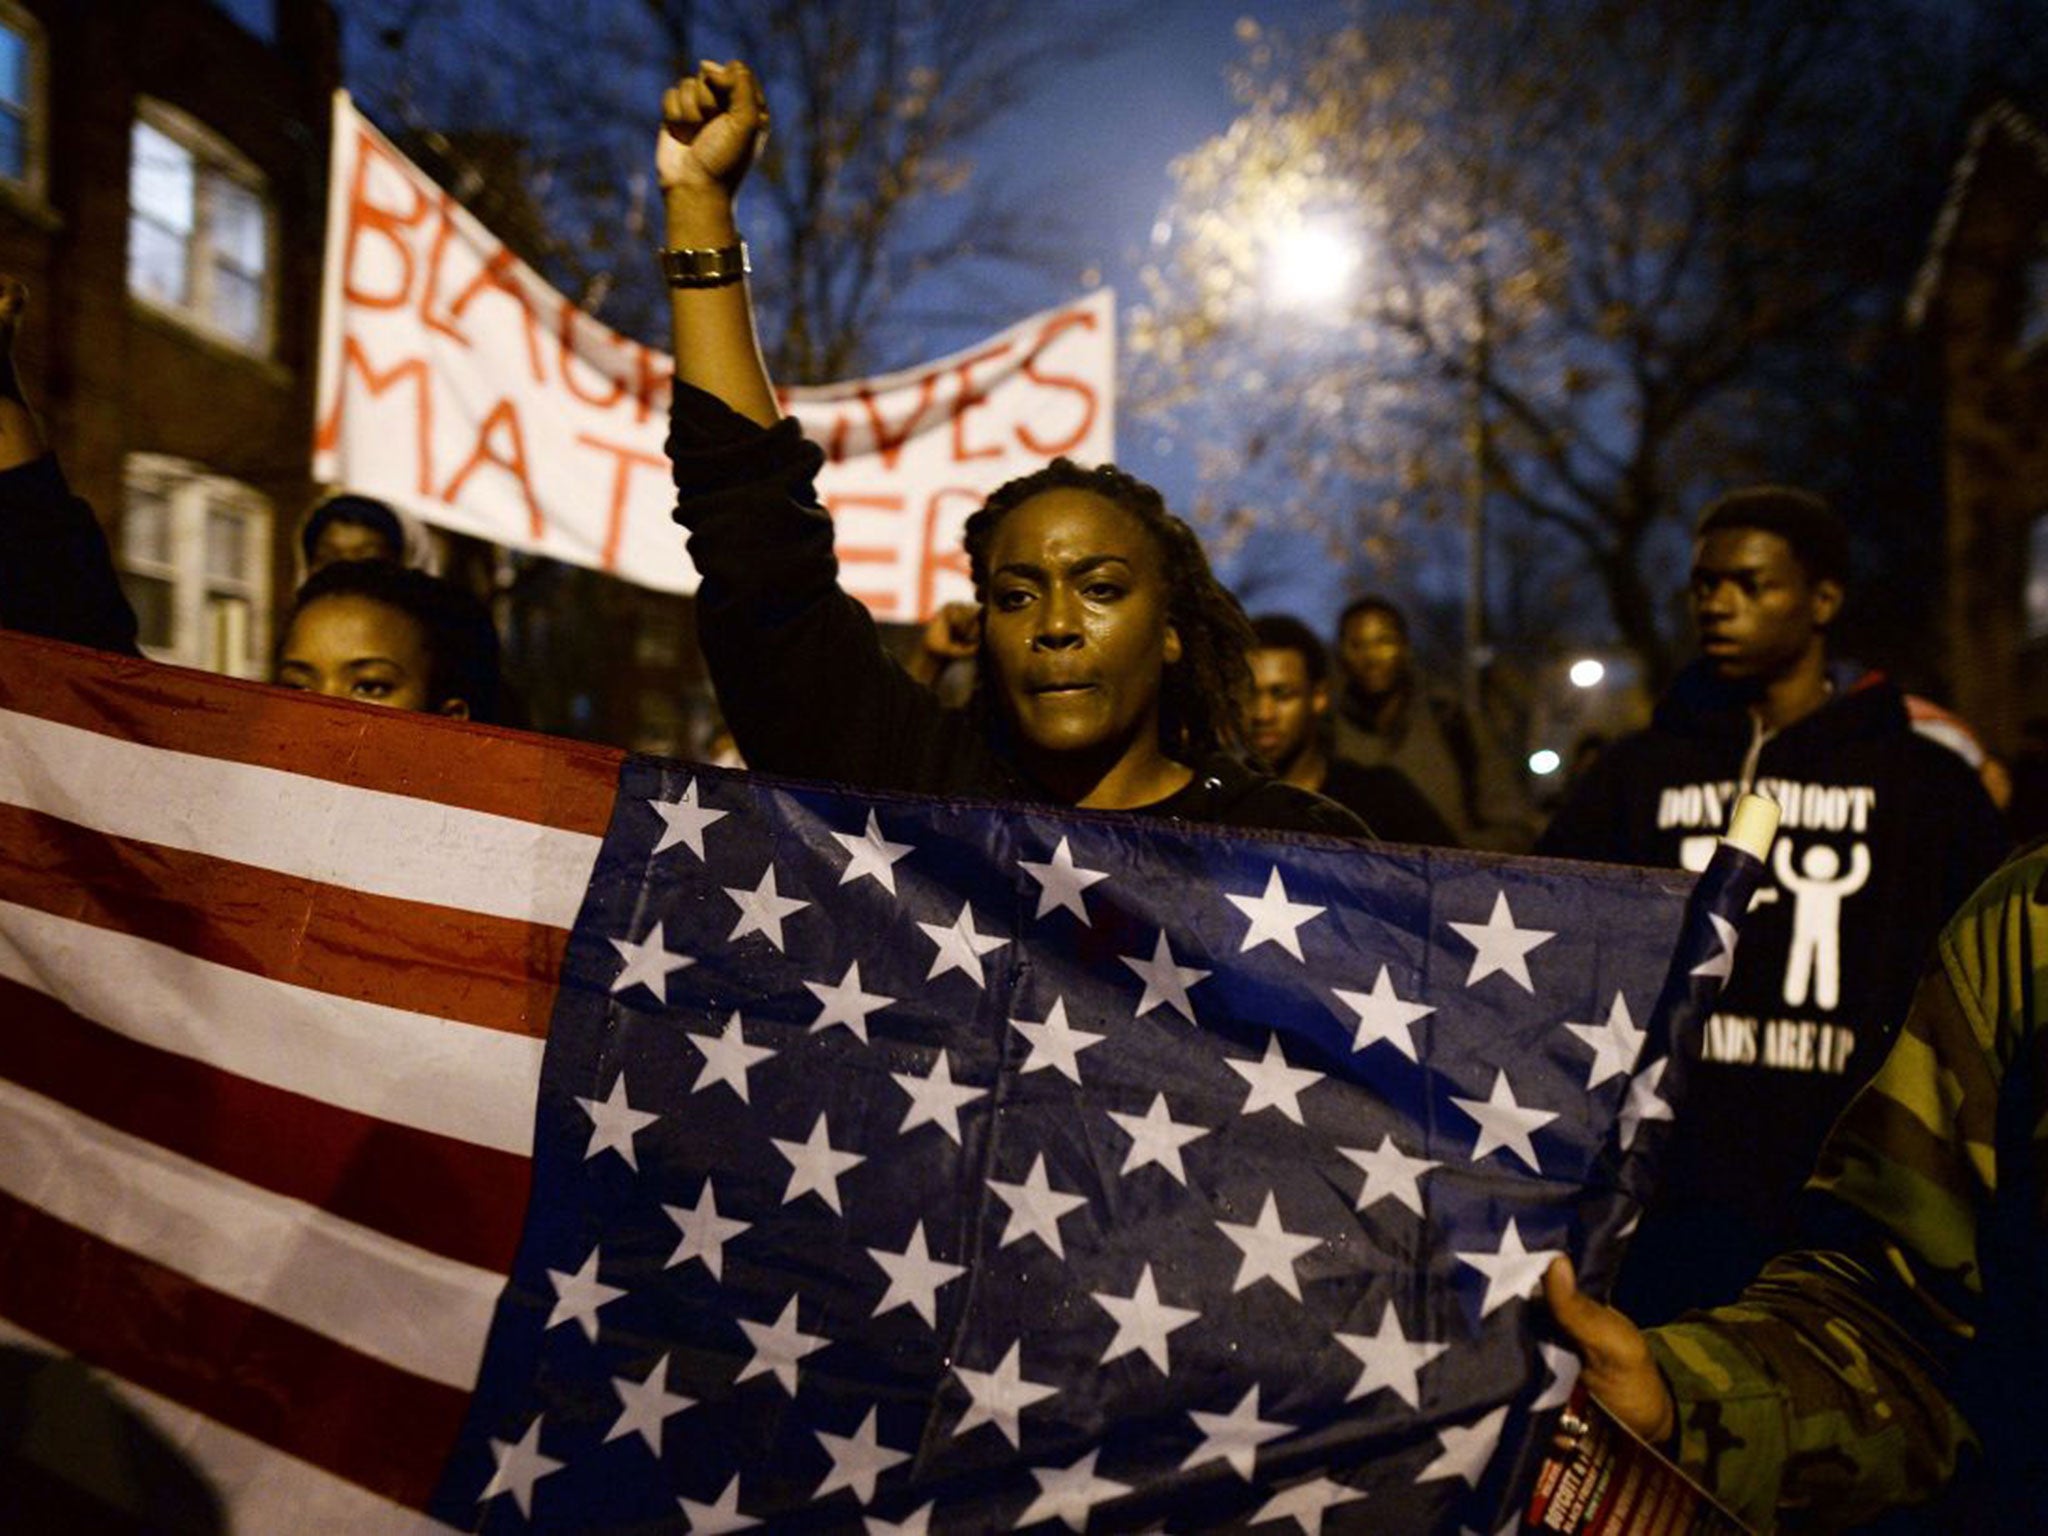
(894, 1164)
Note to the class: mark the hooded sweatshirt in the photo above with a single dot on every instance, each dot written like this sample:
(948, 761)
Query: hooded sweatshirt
(1882, 835)
(801, 673)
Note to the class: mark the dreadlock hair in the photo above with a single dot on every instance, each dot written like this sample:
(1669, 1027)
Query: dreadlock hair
(461, 641)
(1201, 696)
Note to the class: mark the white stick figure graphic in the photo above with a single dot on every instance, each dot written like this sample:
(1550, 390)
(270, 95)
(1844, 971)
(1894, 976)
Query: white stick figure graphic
(1818, 890)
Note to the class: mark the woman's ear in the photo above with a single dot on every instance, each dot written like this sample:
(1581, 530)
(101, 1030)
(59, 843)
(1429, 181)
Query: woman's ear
(454, 709)
(1172, 649)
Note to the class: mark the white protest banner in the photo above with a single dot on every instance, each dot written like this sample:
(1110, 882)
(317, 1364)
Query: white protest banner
(457, 385)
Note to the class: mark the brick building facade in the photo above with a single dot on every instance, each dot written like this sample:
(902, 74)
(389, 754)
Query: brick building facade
(162, 192)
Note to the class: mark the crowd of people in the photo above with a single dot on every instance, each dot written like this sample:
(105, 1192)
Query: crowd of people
(1890, 1318)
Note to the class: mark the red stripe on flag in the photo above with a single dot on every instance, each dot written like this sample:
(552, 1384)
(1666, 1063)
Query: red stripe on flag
(448, 1197)
(530, 778)
(496, 972)
(381, 1428)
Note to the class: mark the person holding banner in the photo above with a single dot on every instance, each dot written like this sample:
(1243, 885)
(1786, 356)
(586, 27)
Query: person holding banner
(1112, 663)
(363, 629)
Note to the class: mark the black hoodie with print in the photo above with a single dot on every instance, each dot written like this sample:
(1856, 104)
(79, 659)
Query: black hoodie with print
(1882, 835)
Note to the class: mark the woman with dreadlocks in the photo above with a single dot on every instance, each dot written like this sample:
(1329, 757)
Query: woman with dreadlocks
(1112, 663)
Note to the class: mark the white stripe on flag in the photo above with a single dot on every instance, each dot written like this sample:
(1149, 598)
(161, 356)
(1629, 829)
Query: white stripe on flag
(389, 1300)
(458, 1080)
(366, 839)
(265, 1489)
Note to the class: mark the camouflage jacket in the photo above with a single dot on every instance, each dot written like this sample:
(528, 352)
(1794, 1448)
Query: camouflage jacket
(1911, 1337)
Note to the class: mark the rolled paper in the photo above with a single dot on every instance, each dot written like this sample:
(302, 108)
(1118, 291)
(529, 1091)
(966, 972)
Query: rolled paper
(1753, 825)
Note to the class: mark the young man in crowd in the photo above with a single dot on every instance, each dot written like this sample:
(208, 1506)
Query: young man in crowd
(1882, 834)
(1386, 716)
(1290, 701)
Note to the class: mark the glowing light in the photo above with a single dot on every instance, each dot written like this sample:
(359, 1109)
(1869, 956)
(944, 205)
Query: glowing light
(1311, 266)
(1586, 673)
(1543, 762)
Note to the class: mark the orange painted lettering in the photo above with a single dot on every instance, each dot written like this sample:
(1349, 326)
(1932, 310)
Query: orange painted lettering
(972, 399)
(625, 461)
(512, 459)
(364, 215)
(1081, 387)
(413, 368)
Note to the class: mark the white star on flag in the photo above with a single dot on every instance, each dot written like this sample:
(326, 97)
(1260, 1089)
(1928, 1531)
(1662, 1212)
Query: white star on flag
(1512, 1272)
(1383, 1016)
(1061, 882)
(1305, 1503)
(1563, 1365)
(1269, 1250)
(719, 1517)
(815, 1165)
(1645, 1101)
(1156, 1137)
(520, 1466)
(762, 910)
(1055, 1043)
(1615, 1044)
(960, 947)
(778, 1346)
(1273, 1083)
(919, 1523)
(857, 1460)
(1035, 1208)
(1068, 1494)
(1502, 946)
(1722, 962)
(872, 855)
(1390, 1174)
(1143, 1321)
(704, 1232)
(845, 1003)
(578, 1297)
(1165, 981)
(648, 963)
(684, 821)
(1234, 1437)
(1466, 1450)
(1274, 919)
(997, 1397)
(1390, 1360)
(1504, 1124)
(646, 1406)
(727, 1058)
(614, 1123)
(935, 1099)
(914, 1277)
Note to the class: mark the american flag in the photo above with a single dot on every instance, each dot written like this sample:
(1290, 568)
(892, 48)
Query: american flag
(895, 1164)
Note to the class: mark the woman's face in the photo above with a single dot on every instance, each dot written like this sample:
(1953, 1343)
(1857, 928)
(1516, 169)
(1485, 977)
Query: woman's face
(353, 647)
(1076, 636)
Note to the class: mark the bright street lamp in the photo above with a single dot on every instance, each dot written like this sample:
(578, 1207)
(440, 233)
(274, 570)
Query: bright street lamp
(1311, 265)
(1586, 673)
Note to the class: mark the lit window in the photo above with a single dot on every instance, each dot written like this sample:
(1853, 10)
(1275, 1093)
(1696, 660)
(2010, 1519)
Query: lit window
(21, 98)
(195, 563)
(199, 229)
